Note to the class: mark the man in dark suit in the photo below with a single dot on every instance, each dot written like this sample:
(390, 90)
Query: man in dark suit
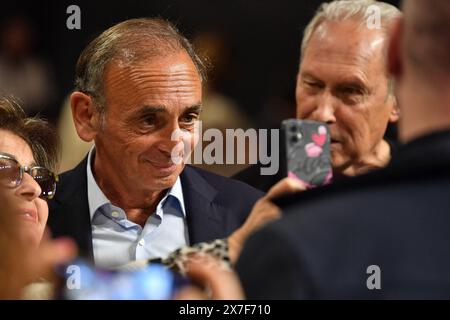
(138, 96)
(386, 234)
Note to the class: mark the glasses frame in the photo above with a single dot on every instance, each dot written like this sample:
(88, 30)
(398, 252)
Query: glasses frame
(26, 169)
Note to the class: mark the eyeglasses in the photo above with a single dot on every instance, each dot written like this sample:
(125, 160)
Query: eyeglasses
(11, 175)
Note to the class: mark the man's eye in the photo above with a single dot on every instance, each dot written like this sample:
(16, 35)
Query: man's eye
(149, 120)
(312, 85)
(352, 91)
(190, 118)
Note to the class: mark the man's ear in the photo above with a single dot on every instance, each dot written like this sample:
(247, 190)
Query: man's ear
(394, 63)
(85, 116)
(395, 112)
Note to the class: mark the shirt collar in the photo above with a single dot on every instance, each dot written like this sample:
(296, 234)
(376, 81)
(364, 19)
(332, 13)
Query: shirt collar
(97, 198)
(177, 192)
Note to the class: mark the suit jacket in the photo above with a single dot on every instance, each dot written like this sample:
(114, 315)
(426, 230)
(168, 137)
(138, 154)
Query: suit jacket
(397, 219)
(215, 206)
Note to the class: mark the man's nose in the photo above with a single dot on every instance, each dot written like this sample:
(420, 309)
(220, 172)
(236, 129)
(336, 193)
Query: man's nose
(29, 188)
(169, 138)
(325, 109)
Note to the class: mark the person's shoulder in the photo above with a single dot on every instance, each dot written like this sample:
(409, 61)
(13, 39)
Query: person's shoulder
(341, 187)
(251, 172)
(253, 175)
(71, 184)
(223, 184)
(78, 171)
(365, 203)
(334, 221)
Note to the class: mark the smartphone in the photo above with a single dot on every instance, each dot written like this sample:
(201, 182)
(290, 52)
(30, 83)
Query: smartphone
(305, 152)
(82, 281)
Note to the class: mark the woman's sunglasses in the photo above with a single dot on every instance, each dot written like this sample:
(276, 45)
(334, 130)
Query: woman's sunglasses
(11, 175)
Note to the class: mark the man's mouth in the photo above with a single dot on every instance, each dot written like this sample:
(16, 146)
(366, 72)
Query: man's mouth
(164, 166)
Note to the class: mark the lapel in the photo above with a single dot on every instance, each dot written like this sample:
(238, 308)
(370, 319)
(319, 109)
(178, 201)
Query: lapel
(69, 210)
(206, 220)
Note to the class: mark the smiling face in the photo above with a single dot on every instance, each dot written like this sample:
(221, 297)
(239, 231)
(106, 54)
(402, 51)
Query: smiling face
(145, 104)
(23, 201)
(342, 81)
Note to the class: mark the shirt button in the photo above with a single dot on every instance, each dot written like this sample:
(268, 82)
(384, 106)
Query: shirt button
(142, 242)
(115, 214)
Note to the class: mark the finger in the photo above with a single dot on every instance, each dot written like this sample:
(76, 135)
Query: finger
(285, 186)
(223, 284)
(191, 293)
(52, 253)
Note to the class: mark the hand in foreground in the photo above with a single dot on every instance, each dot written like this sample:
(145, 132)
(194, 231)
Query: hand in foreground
(263, 212)
(21, 265)
(215, 281)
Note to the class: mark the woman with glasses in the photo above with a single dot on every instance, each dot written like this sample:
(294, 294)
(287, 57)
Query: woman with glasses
(28, 156)
(28, 153)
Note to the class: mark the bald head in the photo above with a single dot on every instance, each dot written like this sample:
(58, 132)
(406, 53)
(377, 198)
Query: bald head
(419, 54)
(427, 37)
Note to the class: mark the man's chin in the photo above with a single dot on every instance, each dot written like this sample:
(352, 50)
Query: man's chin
(165, 170)
(340, 163)
(166, 177)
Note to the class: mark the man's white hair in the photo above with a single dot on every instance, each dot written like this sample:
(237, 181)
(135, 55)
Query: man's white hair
(359, 10)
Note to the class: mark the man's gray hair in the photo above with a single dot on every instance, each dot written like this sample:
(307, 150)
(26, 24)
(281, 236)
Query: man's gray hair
(131, 41)
(359, 10)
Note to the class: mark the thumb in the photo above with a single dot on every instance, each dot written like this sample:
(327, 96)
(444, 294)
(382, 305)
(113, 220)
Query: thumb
(284, 187)
(53, 253)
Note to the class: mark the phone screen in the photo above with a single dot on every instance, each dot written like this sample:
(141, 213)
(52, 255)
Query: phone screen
(82, 281)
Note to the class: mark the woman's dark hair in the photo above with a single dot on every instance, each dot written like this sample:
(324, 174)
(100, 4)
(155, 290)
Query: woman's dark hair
(38, 133)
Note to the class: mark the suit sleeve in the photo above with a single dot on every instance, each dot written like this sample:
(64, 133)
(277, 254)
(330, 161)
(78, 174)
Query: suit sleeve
(271, 267)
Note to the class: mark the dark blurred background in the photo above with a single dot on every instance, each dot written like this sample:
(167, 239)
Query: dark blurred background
(253, 45)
